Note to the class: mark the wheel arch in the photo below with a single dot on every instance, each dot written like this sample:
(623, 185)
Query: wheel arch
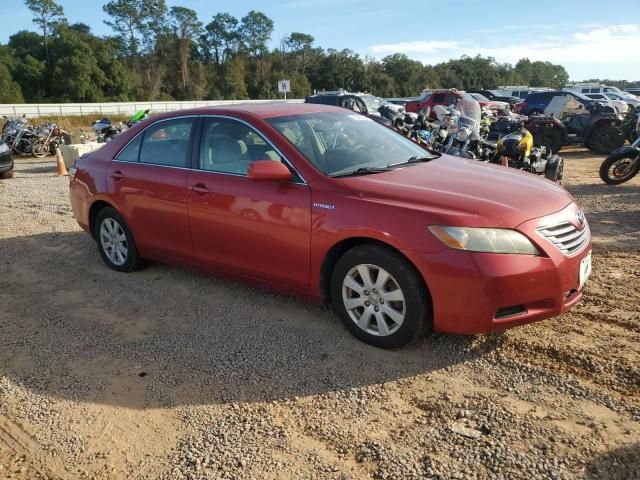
(95, 208)
(340, 248)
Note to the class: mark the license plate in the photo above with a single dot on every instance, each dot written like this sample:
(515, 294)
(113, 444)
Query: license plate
(585, 269)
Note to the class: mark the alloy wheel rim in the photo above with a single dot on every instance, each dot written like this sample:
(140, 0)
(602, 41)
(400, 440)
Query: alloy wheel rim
(373, 300)
(114, 241)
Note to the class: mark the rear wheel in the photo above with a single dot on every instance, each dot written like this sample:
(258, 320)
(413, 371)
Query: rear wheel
(115, 241)
(551, 138)
(620, 167)
(379, 296)
(605, 139)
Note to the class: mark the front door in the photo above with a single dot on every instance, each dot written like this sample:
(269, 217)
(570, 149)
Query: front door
(148, 182)
(259, 229)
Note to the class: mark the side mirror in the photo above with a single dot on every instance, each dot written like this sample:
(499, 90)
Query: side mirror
(268, 171)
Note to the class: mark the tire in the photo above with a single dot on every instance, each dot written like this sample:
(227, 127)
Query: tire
(111, 232)
(605, 139)
(39, 148)
(554, 170)
(618, 167)
(402, 300)
(6, 175)
(551, 138)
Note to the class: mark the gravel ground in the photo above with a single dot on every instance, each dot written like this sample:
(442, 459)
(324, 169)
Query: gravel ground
(170, 374)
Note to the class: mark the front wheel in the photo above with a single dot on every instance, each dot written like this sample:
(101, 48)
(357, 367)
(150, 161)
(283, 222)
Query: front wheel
(379, 296)
(620, 167)
(39, 148)
(115, 241)
(605, 139)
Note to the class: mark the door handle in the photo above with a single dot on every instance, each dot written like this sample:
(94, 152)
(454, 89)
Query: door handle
(199, 188)
(117, 175)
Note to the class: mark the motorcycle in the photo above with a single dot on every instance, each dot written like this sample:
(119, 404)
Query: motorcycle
(138, 117)
(622, 164)
(49, 137)
(516, 150)
(18, 135)
(106, 131)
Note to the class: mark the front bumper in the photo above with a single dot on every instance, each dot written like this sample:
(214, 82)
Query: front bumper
(482, 292)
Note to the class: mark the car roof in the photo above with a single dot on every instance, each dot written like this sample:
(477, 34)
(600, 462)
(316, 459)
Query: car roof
(260, 110)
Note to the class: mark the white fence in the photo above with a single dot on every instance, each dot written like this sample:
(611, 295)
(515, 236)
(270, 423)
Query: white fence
(124, 108)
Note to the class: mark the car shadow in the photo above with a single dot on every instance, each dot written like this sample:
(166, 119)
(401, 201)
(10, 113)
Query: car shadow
(618, 464)
(73, 329)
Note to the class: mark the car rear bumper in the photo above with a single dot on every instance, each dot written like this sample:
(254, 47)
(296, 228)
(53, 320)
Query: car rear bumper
(481, 292)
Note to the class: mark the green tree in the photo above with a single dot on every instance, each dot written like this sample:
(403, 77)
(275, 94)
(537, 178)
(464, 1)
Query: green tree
(10, 91)
(46, 13)
(233, 81)
(186, 28)
(221, 37)
(255, 31)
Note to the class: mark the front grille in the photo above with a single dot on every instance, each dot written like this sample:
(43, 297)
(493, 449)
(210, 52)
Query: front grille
(566, 236)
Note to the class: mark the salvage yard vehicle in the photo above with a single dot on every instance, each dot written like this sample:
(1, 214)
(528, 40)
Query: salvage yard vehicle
(495, 95)
(517, 151)
(566, 118)
(6, 161)
(320, 202)
(623, 164)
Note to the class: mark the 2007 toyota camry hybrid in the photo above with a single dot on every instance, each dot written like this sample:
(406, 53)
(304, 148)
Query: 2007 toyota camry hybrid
(324, 203)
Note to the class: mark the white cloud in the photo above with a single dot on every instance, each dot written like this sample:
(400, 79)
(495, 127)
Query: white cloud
(590, 50)
(418, 47)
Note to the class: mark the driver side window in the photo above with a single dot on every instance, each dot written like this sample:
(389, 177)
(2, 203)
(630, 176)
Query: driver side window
(229, 146)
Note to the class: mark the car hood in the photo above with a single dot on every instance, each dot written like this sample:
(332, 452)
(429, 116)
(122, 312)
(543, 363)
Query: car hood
(456, 191)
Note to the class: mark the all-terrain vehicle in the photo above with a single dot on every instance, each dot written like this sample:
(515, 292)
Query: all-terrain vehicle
(516, 150)
(567, 121)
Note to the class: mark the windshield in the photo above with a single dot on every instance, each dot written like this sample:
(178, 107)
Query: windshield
(372, 103)
(580, 96)
(342, 142)
(479, 97)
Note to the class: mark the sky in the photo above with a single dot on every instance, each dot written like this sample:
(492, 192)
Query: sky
(591, 38)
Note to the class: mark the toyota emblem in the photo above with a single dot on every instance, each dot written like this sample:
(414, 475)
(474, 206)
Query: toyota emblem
(580, 217)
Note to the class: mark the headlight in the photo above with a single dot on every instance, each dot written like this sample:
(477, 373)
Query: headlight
(463, 134)
(488, 240)
(4, 148)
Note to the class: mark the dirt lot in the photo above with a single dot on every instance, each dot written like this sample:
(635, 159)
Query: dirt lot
(170, 374)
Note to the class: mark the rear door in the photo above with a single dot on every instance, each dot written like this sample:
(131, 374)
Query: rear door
(148, 183)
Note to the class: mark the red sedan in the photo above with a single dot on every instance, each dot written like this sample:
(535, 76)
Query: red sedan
(320, 202)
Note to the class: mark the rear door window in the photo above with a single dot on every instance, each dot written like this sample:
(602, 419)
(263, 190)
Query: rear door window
(167, 143)
(438, 98)
(130, 152)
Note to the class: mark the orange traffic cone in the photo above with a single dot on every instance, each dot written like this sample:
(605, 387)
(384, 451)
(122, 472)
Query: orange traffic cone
(62, 169)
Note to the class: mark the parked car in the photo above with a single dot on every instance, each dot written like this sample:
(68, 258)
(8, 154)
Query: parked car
(319, 202)
(438, 97)
(377, 108)
(519, 91)
(495, 95)
(585, 88)
(6, 161)
(620, 105)
(537, 102)
(635, 91)
(493, 105)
